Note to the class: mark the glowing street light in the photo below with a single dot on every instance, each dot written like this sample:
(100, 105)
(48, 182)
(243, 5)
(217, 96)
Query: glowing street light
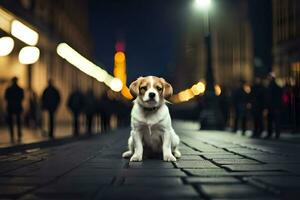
(24, 33)
(218, 90)
(29, 55)
(7, 45)
(198, 88)
(116, 85)
(203, 4)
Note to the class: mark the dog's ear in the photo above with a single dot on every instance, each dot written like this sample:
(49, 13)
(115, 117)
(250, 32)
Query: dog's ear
(134, 87)
(168, 89)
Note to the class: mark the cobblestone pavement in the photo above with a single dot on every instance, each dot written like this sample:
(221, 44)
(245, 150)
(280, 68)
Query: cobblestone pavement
(214, 165)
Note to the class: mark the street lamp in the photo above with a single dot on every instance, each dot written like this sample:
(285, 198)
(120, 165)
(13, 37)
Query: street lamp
(203, 4)
(7, 45)
(28, 56)
(210, 117)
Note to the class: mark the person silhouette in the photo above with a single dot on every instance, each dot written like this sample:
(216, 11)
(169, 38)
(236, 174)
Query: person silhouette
(89, 110)
(50, 102)
(241, 100)
(14, 96)
(274, 99)
(76, 103)
(258, 105)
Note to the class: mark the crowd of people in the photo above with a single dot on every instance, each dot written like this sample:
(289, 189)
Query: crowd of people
(96, 112)
(265, 104)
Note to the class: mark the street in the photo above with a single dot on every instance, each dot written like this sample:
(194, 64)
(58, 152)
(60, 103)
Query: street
(214, 165)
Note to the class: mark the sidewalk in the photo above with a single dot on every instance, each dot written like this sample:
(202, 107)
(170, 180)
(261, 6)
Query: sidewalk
(33, 135)
(214, 165)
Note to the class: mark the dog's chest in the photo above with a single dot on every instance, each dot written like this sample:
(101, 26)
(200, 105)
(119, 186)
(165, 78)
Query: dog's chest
(152, 136)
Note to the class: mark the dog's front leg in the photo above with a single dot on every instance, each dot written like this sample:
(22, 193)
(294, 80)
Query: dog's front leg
(167, 153)
(138, 147)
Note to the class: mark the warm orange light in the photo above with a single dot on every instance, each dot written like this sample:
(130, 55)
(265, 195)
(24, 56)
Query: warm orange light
(198, 88)
(126, 93)
(185, 95)
(247, 89)
(119, 57)
(218, 90)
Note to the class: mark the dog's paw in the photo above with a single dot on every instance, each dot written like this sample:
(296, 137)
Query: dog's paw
(127, 154)
(136, 158)
(177, 153)
(169, 158)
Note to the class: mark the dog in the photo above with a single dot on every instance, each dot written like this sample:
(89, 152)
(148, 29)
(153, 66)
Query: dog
(151, 127)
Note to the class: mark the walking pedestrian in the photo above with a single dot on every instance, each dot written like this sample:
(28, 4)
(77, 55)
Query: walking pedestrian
(241, 103)
(103, 111)
(258, 106)
(76, 103)
(274, 103)
(89, 110)
(50, 102)
(14, 96)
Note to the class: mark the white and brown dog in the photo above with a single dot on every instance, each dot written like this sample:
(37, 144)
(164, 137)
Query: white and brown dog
(151, 127)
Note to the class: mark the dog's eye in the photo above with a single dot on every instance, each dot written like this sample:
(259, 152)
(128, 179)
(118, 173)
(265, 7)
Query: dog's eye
(159, 88)
(143, 88)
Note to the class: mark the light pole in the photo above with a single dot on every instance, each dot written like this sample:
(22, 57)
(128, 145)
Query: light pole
(210, 117)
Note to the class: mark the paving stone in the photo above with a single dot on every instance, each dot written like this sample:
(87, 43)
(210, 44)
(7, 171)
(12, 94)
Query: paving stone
(57, 196)
(94, 169)
(95, 172)
(208, 172)
(153, 172)
(11, 191)
(191, 157)
(153, 181)
(189, 152)
(25, 181)
(280, 181)
(260, 167)
(105, 165)
(235, 161)
(212, 180)
(151, 164)
(222, 156)
(195, 164)
(232, 191)
(148, 192)
(222, 172)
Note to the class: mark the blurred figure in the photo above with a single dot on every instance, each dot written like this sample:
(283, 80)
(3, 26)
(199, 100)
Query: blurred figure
(32, 113)
(76, 104)
(89, 110)
(103, 106)
(274, 103)
(224, 100)
(241, 103)
(288, 100)
(14, 95)
(258, 106)
(50, 102)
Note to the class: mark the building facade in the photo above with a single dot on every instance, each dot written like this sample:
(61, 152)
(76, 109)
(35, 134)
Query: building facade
(286, 39)
(286, 52)
(55, 22)
(232, 54)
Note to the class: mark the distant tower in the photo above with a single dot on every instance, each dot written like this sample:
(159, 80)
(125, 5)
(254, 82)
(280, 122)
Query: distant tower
(120, 67)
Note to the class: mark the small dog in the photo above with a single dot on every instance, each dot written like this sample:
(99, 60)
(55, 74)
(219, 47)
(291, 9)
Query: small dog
(151, 128)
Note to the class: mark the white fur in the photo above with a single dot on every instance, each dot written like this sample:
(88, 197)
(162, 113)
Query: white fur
(152, 130)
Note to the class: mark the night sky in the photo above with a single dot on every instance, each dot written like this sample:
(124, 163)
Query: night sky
(150, 30)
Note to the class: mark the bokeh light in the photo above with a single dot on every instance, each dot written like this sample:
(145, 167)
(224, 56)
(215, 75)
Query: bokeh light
(7, 45)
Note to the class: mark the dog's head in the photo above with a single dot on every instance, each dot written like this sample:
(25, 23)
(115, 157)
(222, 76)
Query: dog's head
(151, 91)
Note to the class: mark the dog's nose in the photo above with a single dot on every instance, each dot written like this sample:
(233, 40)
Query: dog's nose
(151, 95)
